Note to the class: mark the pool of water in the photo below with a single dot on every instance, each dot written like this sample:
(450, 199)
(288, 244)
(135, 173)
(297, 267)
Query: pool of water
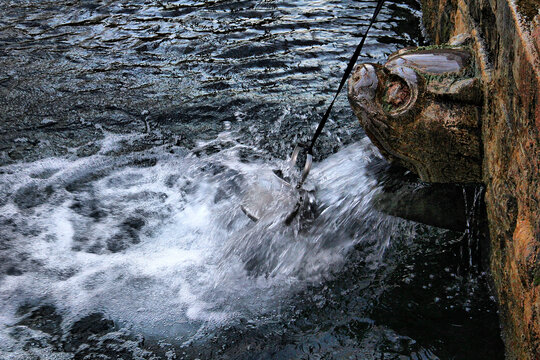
(130, 134)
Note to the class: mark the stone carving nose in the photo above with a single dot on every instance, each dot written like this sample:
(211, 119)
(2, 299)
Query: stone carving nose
(365, 82)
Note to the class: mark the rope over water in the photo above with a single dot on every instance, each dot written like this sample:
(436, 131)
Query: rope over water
(322, 123)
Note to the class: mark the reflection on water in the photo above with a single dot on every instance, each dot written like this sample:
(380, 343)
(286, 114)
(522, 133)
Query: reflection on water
(176, 68)
(131, 132)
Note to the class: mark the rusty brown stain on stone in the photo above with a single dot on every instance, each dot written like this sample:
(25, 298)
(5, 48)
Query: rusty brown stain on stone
(528, 8)
(507, 45)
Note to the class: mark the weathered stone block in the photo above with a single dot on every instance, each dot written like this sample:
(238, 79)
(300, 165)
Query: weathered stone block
(422, 110)
(506, 47)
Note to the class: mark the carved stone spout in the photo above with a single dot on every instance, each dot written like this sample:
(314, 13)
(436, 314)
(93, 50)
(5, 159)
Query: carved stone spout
(422, 110)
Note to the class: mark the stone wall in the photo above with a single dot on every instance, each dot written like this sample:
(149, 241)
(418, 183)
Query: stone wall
(506, 37)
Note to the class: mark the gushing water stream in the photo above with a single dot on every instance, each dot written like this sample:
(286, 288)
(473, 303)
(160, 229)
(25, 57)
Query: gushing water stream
(130, 134)
(158, 240)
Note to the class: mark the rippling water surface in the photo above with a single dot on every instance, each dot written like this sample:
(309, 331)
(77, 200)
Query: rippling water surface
(131, 132)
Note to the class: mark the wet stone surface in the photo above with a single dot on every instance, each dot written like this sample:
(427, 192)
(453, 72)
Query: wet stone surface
(422, 110)
(130, 132)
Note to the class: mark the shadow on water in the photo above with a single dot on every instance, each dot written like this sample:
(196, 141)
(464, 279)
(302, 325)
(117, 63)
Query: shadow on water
(130, 132)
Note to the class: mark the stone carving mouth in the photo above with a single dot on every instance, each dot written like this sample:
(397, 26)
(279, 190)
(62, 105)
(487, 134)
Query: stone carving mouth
(381, 96)
(397, 93)
(400, 90)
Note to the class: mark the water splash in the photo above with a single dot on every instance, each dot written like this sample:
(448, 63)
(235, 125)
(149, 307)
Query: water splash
(157, 240)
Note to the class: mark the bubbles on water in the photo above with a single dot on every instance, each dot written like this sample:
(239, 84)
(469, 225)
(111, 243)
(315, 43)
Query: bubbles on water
(157, 240)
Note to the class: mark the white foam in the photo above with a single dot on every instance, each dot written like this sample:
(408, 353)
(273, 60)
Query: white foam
(189, 266)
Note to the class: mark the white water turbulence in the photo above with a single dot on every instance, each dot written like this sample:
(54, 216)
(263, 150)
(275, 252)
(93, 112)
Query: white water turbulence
(156, 240)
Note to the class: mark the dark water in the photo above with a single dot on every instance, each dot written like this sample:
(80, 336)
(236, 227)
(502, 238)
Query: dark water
(130, 131)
